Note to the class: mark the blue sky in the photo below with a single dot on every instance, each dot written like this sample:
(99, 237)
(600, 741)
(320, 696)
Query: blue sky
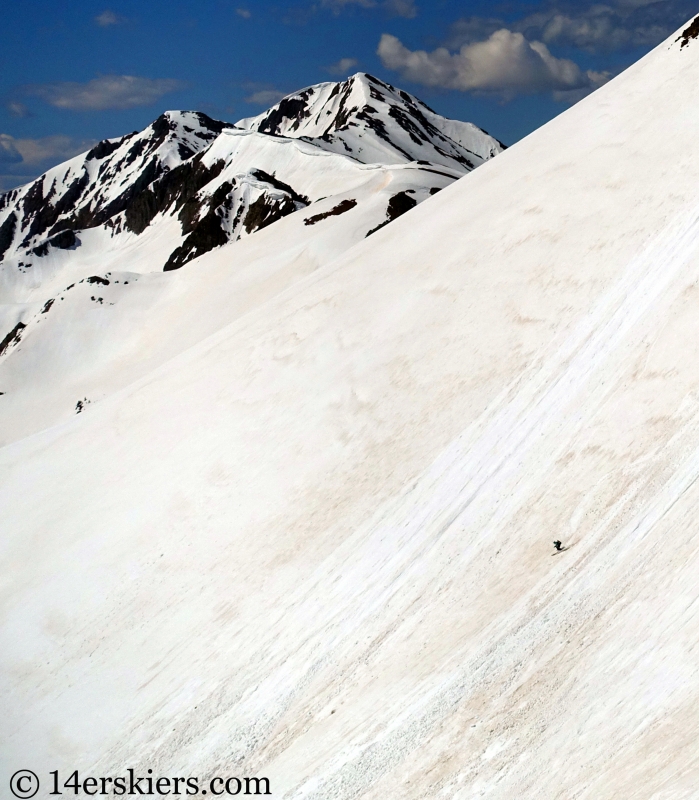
(73, 72)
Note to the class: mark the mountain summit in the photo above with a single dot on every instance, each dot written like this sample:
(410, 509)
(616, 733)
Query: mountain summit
(374, 122)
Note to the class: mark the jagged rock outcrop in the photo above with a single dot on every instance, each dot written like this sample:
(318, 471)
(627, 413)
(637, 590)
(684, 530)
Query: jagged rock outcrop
(223, 182)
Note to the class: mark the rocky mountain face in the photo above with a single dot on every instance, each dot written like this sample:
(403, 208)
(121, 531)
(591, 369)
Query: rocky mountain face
(85, 306)
(105, 186)
(375, 122)
(184, 165)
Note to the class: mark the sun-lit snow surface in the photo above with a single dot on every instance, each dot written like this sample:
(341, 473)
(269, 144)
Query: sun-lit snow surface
(84, 306)
(317, 545)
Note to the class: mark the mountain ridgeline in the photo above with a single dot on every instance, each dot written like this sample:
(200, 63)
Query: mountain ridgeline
(192, 168)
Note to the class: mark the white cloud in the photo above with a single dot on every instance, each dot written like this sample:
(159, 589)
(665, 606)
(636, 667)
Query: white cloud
(108, 18)
(401, 8)
(339, 5)
(243, 12)
(9, 154)
(265, 97)
(342, 67)
(23, 160)
(596, 28)
(505, 63)
(35, 152)
(109, 91)
(18, 109)
(397, 8)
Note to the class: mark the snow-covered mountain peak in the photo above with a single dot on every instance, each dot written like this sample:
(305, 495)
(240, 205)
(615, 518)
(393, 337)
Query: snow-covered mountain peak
(373, 121)
(222, 188)
(92, 189)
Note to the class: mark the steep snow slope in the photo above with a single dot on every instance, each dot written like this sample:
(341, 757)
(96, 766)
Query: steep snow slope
(316, 546)
(84, 338)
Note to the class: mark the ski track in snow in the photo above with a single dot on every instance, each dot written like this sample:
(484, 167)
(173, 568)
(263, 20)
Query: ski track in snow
(449, 518)
(460, 494)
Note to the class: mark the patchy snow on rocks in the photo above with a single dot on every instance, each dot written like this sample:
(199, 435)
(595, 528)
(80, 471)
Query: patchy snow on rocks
(186, 189)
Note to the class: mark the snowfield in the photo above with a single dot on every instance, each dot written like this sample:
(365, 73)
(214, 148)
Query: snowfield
(306, 534)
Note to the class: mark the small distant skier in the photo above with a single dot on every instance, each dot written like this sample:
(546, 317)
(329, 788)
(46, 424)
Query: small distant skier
(558, 545)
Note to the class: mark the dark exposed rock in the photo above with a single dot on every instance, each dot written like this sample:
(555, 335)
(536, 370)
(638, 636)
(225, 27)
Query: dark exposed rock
(340, 208)
(47, 305)
(69, 212)
(375, 94)
(177, 186)
(435, 189)
(48, 213)
(97, 279)
(219, 196)
(184, 151)
(184, 182)
(416, 134)
(261, 175)
(34, 198)
(103, 149)
(12, 338)
(190, 213)
(62, 241)
(214, 125)
(191, 210)
(89, 219)
(376, 124)
(65, 240)
(295, 108)
(397, 206)
(266, 210)
(690, 32)
(208, 232)
(439, 172)
(7, 233)
(204, 234)
(140, 212)
(134, 152)
(41, 250)
(207, 235)
(161, 127)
